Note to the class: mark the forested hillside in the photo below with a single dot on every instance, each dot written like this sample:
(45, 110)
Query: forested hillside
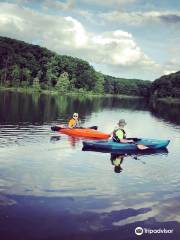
(114, 85)
(26, 65)
(166, 86)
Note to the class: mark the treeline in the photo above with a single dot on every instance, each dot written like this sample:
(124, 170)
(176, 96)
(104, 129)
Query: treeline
(23, 64)
(166, 86)
(136, 87)
(26, 65)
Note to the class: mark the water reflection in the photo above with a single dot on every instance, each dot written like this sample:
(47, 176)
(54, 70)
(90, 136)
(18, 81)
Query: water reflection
(22, 108)
(71, 140)
(55, 138)
(40, 108)
(117, 160)
(118, 157)
(165, 211)
(46, 176)
(167, 111)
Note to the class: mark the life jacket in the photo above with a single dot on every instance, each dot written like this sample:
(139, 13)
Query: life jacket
(73, 123)
(115, 137)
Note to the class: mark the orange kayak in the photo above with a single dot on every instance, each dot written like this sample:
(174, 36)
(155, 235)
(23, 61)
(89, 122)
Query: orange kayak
(83, 132)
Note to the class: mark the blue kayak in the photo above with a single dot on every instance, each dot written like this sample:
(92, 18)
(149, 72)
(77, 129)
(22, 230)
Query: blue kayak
(116, 146)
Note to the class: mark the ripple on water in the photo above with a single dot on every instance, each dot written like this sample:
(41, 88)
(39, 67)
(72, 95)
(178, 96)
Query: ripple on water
(22, 135)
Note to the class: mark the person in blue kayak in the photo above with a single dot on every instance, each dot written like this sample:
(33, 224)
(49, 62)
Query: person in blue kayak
(119, 134)
(74, 122)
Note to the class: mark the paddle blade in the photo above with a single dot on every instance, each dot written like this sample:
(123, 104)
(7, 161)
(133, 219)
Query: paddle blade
(59, 127)
(94, 127)
(142, 147)
(55, 128)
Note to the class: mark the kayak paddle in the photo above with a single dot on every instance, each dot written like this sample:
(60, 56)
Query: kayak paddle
(57, 128)
(141, 147)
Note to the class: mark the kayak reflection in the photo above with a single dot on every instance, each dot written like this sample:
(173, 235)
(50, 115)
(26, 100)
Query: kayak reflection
(71, 140)
(117, 158)
(55, 138)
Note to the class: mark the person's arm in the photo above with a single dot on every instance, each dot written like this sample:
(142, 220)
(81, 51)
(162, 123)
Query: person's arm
(121, 139)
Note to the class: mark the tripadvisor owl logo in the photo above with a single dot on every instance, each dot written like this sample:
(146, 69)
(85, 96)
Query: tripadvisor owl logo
(139, 231)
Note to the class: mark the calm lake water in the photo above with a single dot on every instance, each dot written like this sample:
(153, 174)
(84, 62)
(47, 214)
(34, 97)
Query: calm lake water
(51, 189)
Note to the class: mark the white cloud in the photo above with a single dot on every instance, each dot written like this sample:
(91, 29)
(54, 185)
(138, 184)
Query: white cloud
(172, 66)
(68, 5)
(114, 51)
(117, 48)
(67, 34)
(136, 18)
(167, 72)
(109, 2)
(78, 32)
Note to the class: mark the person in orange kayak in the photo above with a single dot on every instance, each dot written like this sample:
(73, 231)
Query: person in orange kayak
(74, 121)
(119, 134)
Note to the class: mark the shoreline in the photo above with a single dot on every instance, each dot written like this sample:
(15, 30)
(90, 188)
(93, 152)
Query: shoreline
(167, 100)
(75, 93)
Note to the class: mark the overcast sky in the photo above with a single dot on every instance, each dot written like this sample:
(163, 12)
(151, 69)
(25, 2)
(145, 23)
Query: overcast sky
(123, 38)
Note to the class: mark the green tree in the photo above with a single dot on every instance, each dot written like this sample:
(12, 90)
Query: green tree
(63, 83)
(99, 85)
(51, 78)
(26, 75)
(166, 86)
(15, 75)
(52, 71)
(36, 83)
(22, 63)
